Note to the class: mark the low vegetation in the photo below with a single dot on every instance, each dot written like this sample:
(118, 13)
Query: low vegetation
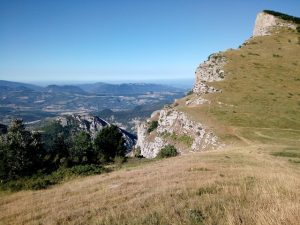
(152, 126)
(184, 139)
(167, 151)
(221, 187)
(32, 160)
(283, 16)
(44, 180)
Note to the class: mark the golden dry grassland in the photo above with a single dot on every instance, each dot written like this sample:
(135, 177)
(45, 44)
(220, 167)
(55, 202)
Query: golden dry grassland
(243, 185)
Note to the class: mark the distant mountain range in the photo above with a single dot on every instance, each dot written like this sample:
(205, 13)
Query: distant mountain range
(9, 85)
(34, 103)
(93, 88)
(127, 88)
(64, 89)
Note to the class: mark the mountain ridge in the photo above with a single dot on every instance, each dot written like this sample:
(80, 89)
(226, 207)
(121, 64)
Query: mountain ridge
(219, 107)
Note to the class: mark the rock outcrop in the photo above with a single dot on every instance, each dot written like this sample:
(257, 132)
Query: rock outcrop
(209, 71)
(175, 128)
(92, 125)
(149, 146)
(265, 23)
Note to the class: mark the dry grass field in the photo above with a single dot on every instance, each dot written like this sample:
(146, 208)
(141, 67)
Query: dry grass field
(242, 185)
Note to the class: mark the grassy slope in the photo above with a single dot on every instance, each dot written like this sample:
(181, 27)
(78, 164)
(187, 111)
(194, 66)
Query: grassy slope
(254, 184)
(236, 186)
(261, 91)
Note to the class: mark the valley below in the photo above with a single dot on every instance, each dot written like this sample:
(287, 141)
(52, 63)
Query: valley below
(35, 104)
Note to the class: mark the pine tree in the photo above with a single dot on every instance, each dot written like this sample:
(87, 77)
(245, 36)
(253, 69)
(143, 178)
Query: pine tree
(109, 143)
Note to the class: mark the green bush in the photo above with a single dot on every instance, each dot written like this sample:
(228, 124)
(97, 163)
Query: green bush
(153, 125)
(185, 139)
(167, 151)
(86, 170)
(137, 153)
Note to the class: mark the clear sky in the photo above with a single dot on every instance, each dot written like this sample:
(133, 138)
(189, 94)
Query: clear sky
(97, 40)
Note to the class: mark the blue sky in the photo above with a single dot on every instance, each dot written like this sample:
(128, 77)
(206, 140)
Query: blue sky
(89, 40)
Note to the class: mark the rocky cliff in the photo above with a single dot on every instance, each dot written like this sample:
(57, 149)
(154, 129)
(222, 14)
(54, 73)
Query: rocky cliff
(176, 123)
(209, 71)
(268, 21)
(175, 127)
(92, 125)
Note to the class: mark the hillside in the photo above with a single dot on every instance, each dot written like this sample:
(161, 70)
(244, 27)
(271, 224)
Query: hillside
(239, 137)
(17, 85)
(246, 95)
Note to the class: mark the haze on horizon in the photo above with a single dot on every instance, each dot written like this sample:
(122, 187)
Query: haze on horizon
(120, 40)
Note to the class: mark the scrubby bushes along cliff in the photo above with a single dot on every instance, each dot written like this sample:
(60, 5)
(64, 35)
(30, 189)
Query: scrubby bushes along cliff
(35, 160)
(283, 16)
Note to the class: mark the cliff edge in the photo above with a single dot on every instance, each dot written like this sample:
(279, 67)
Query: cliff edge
(267, 21)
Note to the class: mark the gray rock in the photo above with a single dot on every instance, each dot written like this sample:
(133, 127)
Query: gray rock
(172, 121)
(209, 71)
(92, 125)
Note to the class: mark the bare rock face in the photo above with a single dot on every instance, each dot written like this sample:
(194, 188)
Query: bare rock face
(87, 123)
(173, 124)
(149, 148)
(265, 23)
(92, 125)
(178, 123)
(208, 71)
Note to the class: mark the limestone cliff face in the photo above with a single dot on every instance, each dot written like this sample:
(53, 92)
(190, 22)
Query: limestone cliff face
(149, 147)
(265, 23)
